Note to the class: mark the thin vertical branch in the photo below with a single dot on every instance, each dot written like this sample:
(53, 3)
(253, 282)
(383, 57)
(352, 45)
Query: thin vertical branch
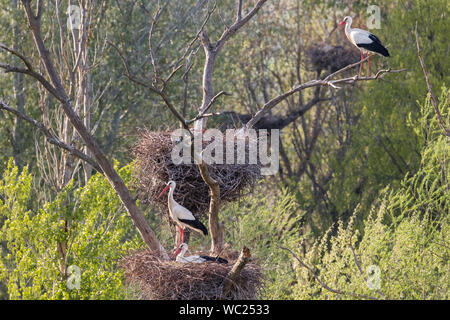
(430, 90)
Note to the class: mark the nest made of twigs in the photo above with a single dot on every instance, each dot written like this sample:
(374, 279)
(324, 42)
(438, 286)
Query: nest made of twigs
(331, 58)
(155, 279)
(155, 168)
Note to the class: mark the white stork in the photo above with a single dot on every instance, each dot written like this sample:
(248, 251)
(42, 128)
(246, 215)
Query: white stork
(182, 216)
(195, 258)
(364, 41)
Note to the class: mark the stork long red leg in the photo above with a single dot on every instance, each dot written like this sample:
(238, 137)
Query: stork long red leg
(179, 236)
(368, 65)
(360, 65)
(182, 235)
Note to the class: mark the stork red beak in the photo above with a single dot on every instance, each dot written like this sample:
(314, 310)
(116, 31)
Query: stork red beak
(176, 252)
(342, 23)
(164, 190)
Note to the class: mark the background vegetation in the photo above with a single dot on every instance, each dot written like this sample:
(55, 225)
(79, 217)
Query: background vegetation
(363, 189)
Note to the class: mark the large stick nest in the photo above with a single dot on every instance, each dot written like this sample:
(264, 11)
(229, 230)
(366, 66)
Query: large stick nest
(331, 58)
(155, 168)
(155, 279)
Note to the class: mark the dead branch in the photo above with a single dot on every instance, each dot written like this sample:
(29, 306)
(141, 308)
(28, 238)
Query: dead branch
(232, 276)
(152, 88)
(52, 138)
(211, 52)
(9, 68)
(240, 21)
(314, 83)
(17, 54)
(203, 113)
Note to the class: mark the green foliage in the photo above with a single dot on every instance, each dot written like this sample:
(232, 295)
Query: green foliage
(85, 227)
(378, 144)
(263, 223)
(406, 234)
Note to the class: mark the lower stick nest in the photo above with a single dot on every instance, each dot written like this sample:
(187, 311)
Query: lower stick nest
(168, 280)
(155, 168)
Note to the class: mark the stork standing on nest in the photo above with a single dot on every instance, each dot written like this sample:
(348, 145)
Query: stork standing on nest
(195, 258)
(364, 40)
(182, 216)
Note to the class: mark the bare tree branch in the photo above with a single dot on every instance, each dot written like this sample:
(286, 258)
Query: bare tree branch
(314, 83)
(238, 24)
(150, 37)
(17, 54)
(430, 90)
(151, 88)
(203, 114)
(51, 138)
(239, 11)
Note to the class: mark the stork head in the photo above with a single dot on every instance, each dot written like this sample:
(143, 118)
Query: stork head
(347, 19)
(170, 184)
(182, 248)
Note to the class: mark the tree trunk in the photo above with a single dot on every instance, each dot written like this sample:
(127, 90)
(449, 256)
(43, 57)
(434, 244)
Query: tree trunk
(112, 176)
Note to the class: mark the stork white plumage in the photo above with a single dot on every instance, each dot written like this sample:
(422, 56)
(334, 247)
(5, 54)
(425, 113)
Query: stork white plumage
(364, 41)
(182, 216)
(194, 258)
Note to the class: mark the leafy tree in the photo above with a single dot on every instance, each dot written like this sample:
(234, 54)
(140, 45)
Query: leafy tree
(91, 222)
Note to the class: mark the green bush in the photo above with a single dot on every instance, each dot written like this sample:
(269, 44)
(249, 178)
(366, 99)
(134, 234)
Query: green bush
(404, 242)
(89, 225)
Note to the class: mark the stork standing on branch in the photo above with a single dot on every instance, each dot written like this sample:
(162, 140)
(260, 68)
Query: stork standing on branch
(182, 216)
(364, 40)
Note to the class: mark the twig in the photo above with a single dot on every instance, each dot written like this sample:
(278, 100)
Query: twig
(9, 68)
(203, 114)
(150, 37)
(202, 27)
(347, 67)
(360, 270)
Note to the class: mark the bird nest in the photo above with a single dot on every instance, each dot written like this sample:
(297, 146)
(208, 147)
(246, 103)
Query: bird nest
(155, 279)
(331, 58)
(154, 168)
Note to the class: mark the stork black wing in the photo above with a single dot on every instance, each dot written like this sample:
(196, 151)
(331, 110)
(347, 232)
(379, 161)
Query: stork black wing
(374, 47)
(374, 38)
(196, 225)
